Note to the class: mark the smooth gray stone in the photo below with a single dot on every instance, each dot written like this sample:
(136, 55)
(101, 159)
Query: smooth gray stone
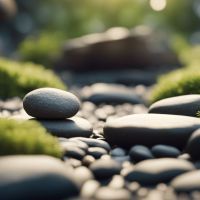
(51, 103)
(96, 152)
(68, 128)
(154, 171)
(193, 145)
(111, 94)
(150, 129)
(73, 152)
(160, 151)
(105, 168)
(180, 105)
(36, 177)
(108, 193)
(93, 142)
(187, 182)
(79, 144)
(138, 153)
(117, 152)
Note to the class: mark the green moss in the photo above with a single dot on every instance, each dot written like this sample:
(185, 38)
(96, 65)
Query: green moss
(179, 82)
(17, 78)
(26, 137)
(43, 49)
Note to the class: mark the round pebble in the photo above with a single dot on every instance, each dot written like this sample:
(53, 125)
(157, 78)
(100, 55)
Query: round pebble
(51, 103)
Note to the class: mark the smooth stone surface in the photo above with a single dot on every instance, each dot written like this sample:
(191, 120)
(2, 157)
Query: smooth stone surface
(160, 151)
(88, 160)
(138, 153)
(105, 168)
(93, 142)
(36, 177)
(193, 145)
(96, 152)
(187, 182)
(150, 172)
(110, 94)
(67, 128)
(117, 152)
(51, 103)
(150, 129)
(108, 193)
(180, 105)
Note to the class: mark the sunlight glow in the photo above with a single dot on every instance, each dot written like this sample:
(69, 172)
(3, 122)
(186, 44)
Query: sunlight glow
(158, 5)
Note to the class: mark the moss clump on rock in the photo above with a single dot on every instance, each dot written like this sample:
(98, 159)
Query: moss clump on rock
(26, 137)
(179, 82)
(18, 78)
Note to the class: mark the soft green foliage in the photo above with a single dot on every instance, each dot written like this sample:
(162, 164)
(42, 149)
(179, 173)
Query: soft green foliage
(26, 137)
(17, 78)
(43, 49)
(179, 82)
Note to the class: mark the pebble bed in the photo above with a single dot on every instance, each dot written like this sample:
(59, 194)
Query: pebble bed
(150, 166)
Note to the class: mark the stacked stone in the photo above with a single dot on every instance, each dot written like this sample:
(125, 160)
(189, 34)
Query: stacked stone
(55, 110)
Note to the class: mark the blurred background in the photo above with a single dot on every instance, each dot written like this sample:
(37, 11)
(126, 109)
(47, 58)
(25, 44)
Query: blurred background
(100, 34)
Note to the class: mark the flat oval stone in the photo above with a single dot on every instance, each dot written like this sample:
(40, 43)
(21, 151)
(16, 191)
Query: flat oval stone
(180, 105)
(51, 103)
(36, 177)
(154, 171)
(193, 145)
(105, 168)
(139, 153)
(100, 93)
(187, 182)
(160, 151)
(68, 128)
(96, 152)
(150, 129)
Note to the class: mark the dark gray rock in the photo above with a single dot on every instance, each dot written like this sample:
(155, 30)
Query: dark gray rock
(138, 153)
(150, 172)
(108, 193)
(117, 152)
(160, 151)
(51, 103)
(180, 105)
(105, 168)
(187, 182)
(93, 142)
(96, 152)
(193, 145)
(36, 177)
(67, 128)
(150, 129)
(100, 93)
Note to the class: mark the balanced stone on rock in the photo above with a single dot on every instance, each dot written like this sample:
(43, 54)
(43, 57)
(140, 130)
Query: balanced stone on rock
(51, 103)
(150, 129)
(67, 128)
(181, 105)
(139, 153)
(36, 177)
(154, 171)
(187, 182)
(193, 145)
(160, 151)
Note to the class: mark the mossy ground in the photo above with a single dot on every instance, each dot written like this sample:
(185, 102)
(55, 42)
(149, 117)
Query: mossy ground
(26, 137)
(19, 78)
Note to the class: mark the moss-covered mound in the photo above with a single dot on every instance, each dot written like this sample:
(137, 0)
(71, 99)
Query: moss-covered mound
(179, 82)
(17, 78)
(26, 137)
